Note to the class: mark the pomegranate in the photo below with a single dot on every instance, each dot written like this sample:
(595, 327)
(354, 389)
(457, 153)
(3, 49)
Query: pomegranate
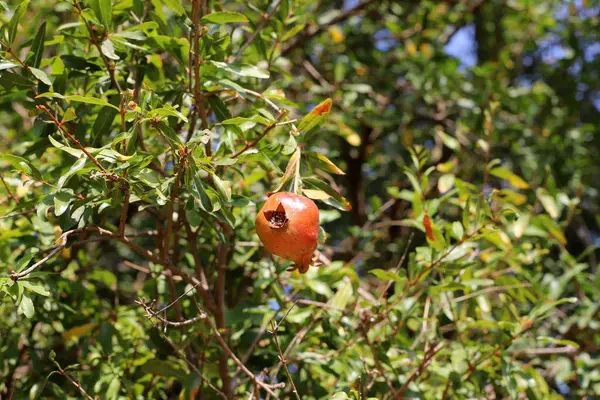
(288, 226)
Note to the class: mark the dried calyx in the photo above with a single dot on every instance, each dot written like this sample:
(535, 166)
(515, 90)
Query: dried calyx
(277, 218)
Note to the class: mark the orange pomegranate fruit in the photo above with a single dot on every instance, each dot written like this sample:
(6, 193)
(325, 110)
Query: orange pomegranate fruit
(288, 226)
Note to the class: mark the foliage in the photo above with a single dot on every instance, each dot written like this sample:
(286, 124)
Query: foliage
(459, 202)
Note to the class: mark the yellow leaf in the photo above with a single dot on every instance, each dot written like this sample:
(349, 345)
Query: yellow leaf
(316, 194)
(509, 176)
(79, 331)
(326, 164)
(336, 34)
(351, 136)
(426, 49)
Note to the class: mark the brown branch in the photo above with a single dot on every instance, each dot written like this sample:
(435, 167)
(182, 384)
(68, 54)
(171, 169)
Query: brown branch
(124, 210)
(8, 191)
(259, 137)
(489, 290)
(15, 276)
(178, 351)
(73, 381)
(170, 211)
(317, 29)
(198, 97)
(380, 369)
(223, 344)
(220, 299)
(398, 266)
(274, 329)
(110, 67)
(427, 358)
(60, 126)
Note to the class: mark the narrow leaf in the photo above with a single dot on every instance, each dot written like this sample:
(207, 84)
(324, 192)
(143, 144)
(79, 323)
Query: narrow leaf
(509, 176)
(223, 18)
(37, 47)
(13, 24)
(316, 117)
(41, 75)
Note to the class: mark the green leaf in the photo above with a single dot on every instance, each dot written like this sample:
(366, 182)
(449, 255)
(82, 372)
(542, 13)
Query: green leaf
(322, 162)
(62, 199)
(200, 194)
(108, 49)
(72, 171)
(337, 200)
(103, 123)
(223, 18)
(9, 80)
(549, 203)
(552, 227)
(88, 100)
(342, 297)
(466, 215)
(220, 109)
(21, 164)
(175, 6)
(509, 176)
(240, 120)
(103, 11)
(26, 258)
(74, 152)
(41, 75)
(292, 32)
(241, 70)
(35, 286)
(166, 112)
(170, 134)
(26, 307)
(163, 368)
(69, 115)
(320, 287)
(7, 65)
(223, 187)
(386, 275)
(113, 388)
(134, 35)
(316, 117)
(457, 230)
(34, 57)
(13, 24)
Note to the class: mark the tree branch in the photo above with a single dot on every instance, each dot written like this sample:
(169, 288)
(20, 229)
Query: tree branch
(110, 67)
(111, 176)
(262, 135)
(150, 315)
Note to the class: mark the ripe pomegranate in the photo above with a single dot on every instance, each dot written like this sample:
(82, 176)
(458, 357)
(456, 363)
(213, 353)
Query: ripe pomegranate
(288, 226)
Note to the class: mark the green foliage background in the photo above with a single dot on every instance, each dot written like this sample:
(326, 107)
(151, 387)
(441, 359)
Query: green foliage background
(139, 139)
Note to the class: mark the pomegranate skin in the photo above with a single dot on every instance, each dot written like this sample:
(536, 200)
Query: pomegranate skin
(288, 226)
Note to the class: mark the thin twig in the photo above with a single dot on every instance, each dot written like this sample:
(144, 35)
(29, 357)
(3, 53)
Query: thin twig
(259, 137)
(179, 352)
(15, 276)
(427, 358)
(110, 67)
(73, 381)
(71, 137)
(489, 290)
(223, 344)
(398, 266)
(274, 330)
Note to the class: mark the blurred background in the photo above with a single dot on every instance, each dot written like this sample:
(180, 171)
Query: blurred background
(434, 103)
